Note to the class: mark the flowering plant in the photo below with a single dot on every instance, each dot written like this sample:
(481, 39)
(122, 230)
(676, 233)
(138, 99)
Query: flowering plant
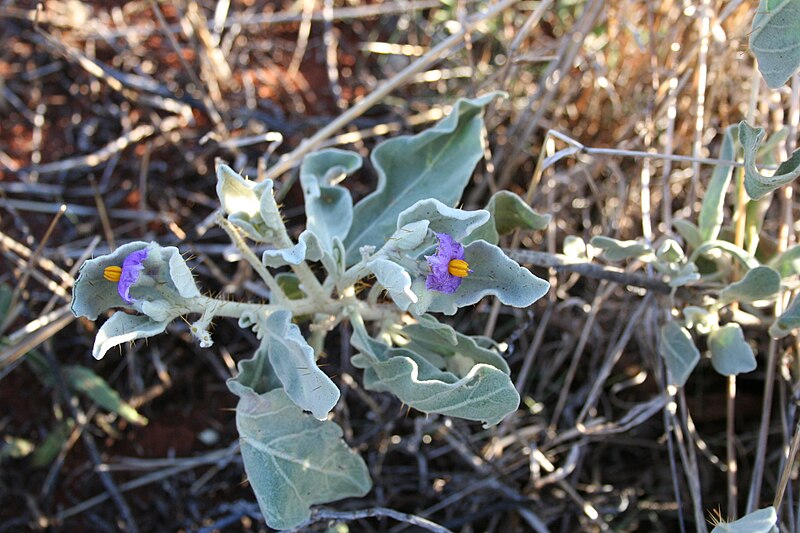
(404, 239)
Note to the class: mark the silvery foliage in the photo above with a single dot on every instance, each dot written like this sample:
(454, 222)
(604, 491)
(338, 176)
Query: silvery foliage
(749, 277)
(293, 451)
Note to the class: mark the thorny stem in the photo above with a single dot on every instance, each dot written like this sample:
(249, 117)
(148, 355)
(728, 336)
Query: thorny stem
(233, 233)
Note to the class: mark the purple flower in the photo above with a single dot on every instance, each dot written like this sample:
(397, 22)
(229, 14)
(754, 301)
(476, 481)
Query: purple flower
(447, 265)
(126, 275)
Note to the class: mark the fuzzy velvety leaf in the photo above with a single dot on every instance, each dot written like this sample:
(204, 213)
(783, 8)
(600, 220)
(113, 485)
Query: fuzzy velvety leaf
(508, 212)
(329, 207)
(788, 321)
(759, 283)
(481, 392)
(293, 362)
(755, 183)
(678, 350)
(292, 460)
(436, 163)
(122, 328)
(761, 521)
(395, 280)
(788, 263)
(730, 353)
(493, 274)
(775, 40)
(713, 207)
(616, 250)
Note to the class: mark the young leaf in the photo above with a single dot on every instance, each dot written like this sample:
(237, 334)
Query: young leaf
(713, 208)
(679, 352)
(788, 263)
(484, 393)
(436, 163)
(290, 285)
(84, 381)
(788, 321)
(508, 212)
(395, 280)
(775, 40)
(756, 184)
(293, 362)
(308, 248)
(432, 338)
(292, 460)
(759, 283)
(689, 232)
(493, 273)
(122, 328)
(329, 207)
(616, 250)
(761, 521)
(730, 353)
(443, 219)
(48, 450)
(249, 205)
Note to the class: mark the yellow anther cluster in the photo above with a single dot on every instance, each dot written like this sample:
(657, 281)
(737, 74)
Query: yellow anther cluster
(112, 273)
(458, 268)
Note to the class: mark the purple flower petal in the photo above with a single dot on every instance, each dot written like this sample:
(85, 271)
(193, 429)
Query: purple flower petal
(131, 267)
(440, 278)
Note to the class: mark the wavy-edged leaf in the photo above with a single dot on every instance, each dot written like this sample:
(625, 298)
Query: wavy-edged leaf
(678, 350)
(329, 207)
(249, 205)
(395, 280)
(713, 208)
(292, 460)
(436, 163)
(759, 283)
(122, 328)
(714, 247)
(493, 274)
(293, 361)
(484, 393)
(760, 521)
(775, 40)
(508, 212)
(84, 381)
(308, 247)
(730, 353)
(756, 184)
(446, 348)
(617, 250)
(443, 219)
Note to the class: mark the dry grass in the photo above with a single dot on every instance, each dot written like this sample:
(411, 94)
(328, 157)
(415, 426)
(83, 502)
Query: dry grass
(118, 112)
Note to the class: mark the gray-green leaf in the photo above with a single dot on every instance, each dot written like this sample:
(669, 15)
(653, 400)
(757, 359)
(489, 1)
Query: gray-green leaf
(493, 273)
(508, 212)
(730, 353)
(713, 208)
(616, 250)
(482, 392)
(759, 283)
(436, 163)
(756, 184)
(395, 280)
(678, 350)
(788, 321)
(761, 521)
(122, 328)
(329, 207)
(292, 460)
(788, 263)
(293, 362)
(775, 40)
